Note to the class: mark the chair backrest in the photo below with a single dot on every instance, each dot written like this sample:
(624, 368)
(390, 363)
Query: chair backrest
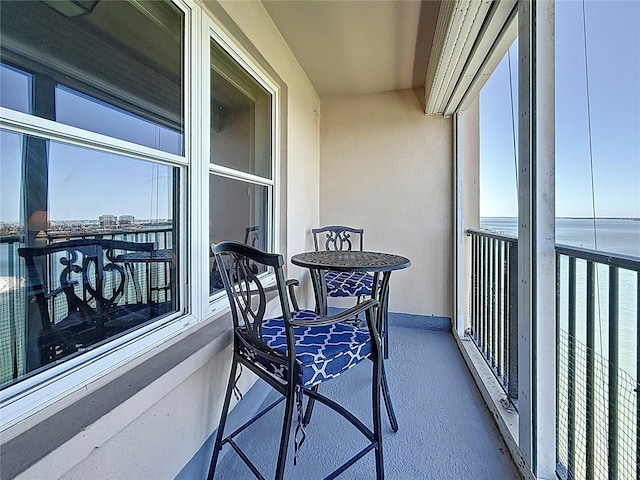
(71, 288)
(87, 271)
(252, 236)
(244, 270)
(337, 237)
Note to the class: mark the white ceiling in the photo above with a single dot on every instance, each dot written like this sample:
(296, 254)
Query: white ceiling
(351, 47)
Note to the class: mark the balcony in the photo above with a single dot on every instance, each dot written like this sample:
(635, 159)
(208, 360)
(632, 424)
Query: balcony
(145, 405)
(597, 396)
(445, 430)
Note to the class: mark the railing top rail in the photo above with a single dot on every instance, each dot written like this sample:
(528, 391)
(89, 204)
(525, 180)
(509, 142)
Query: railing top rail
(494, 235)
(9, 239)
(612, 259)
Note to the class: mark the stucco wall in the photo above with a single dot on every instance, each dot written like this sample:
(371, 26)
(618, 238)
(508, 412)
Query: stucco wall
(386, 167)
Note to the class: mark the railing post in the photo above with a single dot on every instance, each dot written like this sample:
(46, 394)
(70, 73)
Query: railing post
(500, 266)
(613, 373)
(491, 305)
(571, 367)
(476, 287)
(638, 375)
(512, 388)
(591, 377)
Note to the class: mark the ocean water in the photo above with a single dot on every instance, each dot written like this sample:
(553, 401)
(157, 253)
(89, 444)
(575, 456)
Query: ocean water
(611, 235)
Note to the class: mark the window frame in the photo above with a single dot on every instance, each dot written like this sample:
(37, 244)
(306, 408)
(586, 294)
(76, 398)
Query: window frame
(27, 396)
(215, 33)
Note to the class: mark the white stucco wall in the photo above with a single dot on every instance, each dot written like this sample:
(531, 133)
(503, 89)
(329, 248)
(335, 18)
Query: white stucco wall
(387, 168)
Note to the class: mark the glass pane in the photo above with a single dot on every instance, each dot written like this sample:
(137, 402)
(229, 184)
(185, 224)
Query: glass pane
(15, 89)
(80, 261)
(110, 69)
(74, 108)
(237, 211)
(240, 117)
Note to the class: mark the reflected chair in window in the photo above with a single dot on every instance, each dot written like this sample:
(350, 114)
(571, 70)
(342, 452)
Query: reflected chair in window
(293, 352)
(77, 297)
(252, 236)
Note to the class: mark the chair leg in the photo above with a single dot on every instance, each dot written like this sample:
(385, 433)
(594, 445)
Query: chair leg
(217, 446)
(387, 400)
(377, 422)
(309, 410)
(286, 430)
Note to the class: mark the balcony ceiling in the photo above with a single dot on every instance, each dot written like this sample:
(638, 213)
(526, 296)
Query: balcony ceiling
(358, 47)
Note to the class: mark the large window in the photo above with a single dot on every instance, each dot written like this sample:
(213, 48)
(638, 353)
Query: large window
(89, 228)
(241, 173)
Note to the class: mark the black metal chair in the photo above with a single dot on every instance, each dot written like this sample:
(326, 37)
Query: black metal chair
(343, 284)
(279, 351)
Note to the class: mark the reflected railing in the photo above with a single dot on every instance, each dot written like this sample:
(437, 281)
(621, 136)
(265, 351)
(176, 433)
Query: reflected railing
(598, 352)
(153, 285)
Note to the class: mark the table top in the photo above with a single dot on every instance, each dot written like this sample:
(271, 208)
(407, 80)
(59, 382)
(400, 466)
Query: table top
(351, 261)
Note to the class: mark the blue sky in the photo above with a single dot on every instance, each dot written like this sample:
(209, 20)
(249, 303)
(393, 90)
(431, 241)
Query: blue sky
(613, 55)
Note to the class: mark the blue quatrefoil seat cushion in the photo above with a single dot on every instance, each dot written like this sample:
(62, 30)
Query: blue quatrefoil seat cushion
(322, 352)
(348, 284)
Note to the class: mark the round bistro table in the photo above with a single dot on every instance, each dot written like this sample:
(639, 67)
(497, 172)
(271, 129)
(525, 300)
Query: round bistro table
(357, 261)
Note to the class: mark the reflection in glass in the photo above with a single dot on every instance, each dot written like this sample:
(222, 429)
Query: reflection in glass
(89, 255)
(79, 110)
(237, 211)
(240, 117)
(122, 56)
(15, 89)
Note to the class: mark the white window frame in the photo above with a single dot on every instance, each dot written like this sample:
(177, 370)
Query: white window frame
(34, 393)
(214, 32)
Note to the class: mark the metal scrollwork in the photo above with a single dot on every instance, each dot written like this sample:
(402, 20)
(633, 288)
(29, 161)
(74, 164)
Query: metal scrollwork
(338, 241)
(249, 293)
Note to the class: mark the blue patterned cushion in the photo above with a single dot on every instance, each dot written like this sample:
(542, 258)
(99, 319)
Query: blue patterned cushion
(321, 352)
(348, 284)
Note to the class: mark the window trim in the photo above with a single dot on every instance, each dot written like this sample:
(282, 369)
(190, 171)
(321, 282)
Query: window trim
(214, 32)
(33, 394)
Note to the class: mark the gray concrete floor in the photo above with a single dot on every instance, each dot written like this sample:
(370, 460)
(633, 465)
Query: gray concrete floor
(445, 432)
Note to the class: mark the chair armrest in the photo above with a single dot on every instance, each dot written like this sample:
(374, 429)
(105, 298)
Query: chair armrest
(291, 283)
(341, 317)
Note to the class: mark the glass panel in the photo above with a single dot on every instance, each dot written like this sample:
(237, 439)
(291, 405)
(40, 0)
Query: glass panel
(15, 89)
(240, 117)
(80, 261)
(74, 108)
(120, 64)
(245, 221)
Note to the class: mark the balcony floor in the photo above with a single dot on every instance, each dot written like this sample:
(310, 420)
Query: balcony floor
(446, 431)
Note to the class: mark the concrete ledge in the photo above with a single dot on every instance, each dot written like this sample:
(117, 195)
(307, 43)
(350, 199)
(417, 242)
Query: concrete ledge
(102, 412)
(492, 393)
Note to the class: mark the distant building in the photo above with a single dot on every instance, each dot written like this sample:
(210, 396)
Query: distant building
(108, 220)
(125, 220)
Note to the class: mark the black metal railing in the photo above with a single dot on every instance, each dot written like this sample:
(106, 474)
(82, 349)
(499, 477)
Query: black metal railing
(598, 349)
(494, 307)
(598, 326)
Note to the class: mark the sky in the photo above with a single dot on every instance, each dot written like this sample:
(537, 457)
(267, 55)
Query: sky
(613, 58)
(613, 48)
